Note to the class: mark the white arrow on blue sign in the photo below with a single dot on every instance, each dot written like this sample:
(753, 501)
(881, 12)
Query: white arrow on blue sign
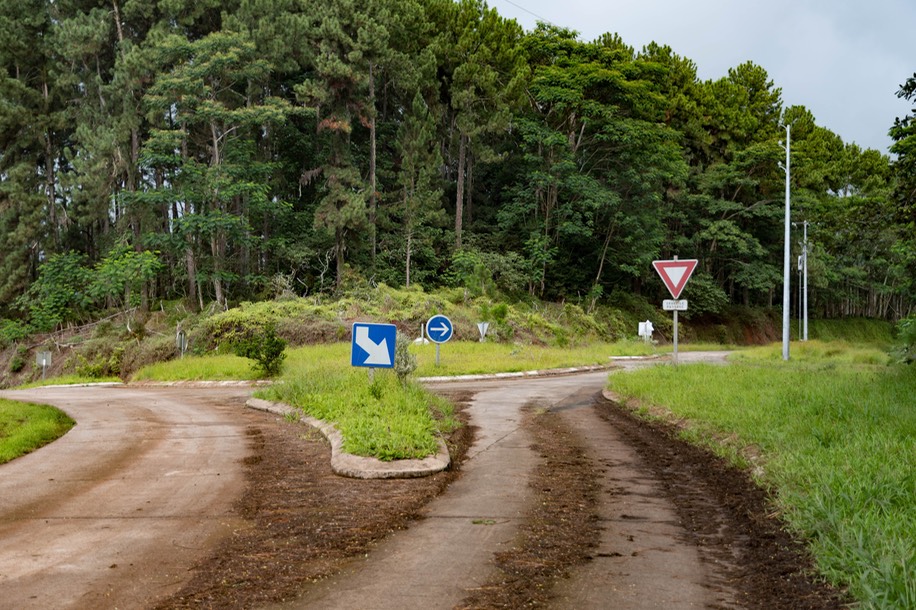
(373, 345)
(439, 329)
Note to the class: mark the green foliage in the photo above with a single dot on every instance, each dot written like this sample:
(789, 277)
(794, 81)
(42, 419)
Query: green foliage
(17, 362)
(12, 331)
(196, 152)
(834, 438)
(905, 350)
(60, 292)
(99, 358)
(265, 348)
(120, 276)
(405, 363)
(704, 296)
(26, 427)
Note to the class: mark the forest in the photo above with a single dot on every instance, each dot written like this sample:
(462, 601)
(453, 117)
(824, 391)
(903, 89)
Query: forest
(222, 151)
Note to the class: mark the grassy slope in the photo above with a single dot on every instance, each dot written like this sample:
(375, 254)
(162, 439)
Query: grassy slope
(835, 428)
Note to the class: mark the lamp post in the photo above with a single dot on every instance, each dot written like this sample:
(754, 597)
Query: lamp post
(786, 257)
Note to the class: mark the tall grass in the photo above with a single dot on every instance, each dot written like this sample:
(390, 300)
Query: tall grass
(26, 427)
(382, 418)
(838, 440)
(456, 358)
(216, 367)
(469, 358)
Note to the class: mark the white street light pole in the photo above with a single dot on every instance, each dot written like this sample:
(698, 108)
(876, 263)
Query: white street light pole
(785, 266)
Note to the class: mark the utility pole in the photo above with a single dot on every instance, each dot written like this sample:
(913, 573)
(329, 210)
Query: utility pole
(786, 253)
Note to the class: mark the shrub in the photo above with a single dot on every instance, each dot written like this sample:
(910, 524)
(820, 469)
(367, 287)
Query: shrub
(405, 363)
(12, 331)
(704, 295)
(265, 348)
(17, 362)
(906, 340)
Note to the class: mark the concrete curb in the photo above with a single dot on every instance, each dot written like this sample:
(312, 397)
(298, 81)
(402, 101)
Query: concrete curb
(355, 466)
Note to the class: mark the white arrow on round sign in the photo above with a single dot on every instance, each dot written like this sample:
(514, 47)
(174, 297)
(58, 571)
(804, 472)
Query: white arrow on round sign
(439, 329)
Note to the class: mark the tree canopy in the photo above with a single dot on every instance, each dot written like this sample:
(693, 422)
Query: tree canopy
(200, 150)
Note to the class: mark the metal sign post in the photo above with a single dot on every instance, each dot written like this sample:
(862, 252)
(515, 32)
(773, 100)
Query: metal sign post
(43, 359)
(181, 341)
(675, 274)
(439, 329)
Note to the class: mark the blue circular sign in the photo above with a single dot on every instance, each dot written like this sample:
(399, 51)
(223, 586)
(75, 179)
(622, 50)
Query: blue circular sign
(439, 329)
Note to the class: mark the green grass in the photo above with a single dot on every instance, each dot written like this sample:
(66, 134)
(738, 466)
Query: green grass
(824, 352)
(381, 419)
(469, 357)
(26, 427)
(217, 367)
(456, 358)
(837, 436)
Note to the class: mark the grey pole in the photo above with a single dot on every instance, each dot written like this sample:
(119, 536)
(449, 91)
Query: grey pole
(786, 252)
(675, 331)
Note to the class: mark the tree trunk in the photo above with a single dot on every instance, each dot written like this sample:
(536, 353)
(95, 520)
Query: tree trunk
(407, 268)
(191, 263)
(372, 162)
(218, 248)
(339, 249)
(469, 189)
(459, 196)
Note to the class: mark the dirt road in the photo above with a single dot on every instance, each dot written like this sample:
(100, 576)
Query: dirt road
(113, 514)
(172, 498)
(644, 557)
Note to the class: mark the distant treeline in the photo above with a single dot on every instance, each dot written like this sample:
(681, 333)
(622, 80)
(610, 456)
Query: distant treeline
(222, 151)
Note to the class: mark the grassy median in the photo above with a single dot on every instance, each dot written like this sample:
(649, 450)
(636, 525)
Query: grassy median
(26, 427)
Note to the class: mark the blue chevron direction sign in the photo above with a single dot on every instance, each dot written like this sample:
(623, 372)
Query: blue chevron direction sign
(373, 345)
(439, 329)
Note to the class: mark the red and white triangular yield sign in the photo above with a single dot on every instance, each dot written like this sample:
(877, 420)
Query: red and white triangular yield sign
(675, 273)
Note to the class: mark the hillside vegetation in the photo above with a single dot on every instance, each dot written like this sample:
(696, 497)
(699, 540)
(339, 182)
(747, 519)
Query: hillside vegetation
(120, 346)
(220, 152)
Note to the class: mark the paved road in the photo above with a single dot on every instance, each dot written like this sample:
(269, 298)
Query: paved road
(113, 514)
(480, 514)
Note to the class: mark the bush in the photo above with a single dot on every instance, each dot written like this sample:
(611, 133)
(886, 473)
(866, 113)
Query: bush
(405, 363)
(906, 340)
(17, 362)
(12, 331)
(704, 295)
(265, 348)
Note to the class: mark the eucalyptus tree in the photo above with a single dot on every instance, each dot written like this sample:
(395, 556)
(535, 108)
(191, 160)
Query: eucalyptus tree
(207, 107)
(345, 38)
(596, 159)
(904, 135)
(482, 71)
(33, 135)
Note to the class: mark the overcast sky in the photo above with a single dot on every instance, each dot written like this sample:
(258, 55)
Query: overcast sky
(842, 59)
